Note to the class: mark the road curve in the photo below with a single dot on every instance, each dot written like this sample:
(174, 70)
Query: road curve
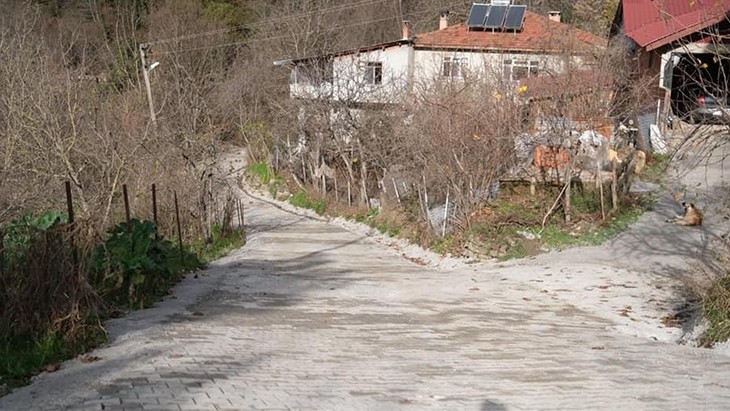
(309, 316)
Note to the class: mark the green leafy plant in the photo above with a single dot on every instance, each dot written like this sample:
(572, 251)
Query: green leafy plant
(137, 265)
(20, 234)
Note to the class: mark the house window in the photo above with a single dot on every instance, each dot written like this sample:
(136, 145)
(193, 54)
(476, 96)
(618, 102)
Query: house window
(453, 67)
(373, 72)
(515, 70)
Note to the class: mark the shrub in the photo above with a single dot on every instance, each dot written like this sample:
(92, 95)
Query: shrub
(48, 310)
(135, 266)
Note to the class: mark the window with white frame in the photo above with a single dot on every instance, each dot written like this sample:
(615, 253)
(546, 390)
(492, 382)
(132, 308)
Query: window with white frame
(515, 70)
(373, 72)
(453, 67)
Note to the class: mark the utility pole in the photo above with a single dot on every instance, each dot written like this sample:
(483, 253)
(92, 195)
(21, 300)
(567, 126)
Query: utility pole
(146, 74)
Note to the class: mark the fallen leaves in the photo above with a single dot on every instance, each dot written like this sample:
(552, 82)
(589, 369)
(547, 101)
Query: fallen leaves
(53, 367)
(415, 260)
(89, 359)
(671, 321)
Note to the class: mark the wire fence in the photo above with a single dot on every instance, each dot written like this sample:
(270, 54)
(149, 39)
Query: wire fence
(226, 217)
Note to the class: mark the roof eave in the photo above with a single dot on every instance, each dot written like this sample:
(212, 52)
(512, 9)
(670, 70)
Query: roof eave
(587, 49)
(294, 62)
(664, 40)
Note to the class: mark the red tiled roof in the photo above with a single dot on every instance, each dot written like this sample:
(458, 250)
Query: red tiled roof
(654, 23)
(540, 34)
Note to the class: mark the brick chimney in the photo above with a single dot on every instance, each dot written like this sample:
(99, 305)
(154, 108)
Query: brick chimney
(554, 16)
(444, 20)
(406, 29)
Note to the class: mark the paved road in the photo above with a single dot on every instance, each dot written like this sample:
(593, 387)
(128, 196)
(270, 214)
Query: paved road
(309, 316)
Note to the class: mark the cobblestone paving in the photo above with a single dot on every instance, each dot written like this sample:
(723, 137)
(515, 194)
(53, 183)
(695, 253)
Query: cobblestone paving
(309, 316)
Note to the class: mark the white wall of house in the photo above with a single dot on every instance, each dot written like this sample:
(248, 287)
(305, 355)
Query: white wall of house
(376, 76)
(387, 75)
(488, 66)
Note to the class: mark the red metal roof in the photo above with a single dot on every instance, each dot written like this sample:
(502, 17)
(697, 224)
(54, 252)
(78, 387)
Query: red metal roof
(654, 23)
(540, 34)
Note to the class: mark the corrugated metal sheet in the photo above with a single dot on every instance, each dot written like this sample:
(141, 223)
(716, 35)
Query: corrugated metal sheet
(654, 23)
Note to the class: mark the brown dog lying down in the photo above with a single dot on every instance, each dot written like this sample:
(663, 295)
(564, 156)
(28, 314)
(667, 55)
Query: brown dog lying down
(692, 216)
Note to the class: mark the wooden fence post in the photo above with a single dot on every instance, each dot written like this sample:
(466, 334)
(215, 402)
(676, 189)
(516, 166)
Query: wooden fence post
(349, 193)
(179, 229)
(154, 210)
(446, 213)
(126, 208)
(337, 194)
(395, 187)
(242, 225)
(614, 186)
(2, 261)
(70, 211)
(240, 217)
(243, 213)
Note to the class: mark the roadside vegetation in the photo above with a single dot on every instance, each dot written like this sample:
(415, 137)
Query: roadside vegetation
(716, 308)
(58, 287)
(507, 228)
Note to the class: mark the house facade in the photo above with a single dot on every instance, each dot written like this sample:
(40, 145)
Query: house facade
(500, 43)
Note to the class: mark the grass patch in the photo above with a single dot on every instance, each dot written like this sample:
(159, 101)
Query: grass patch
(514, 252)
(21, 358)
(263, 172)
(222, 244)
(716, 308)
(303, 200)
(445, 245)
(656, 169)
(556, 237)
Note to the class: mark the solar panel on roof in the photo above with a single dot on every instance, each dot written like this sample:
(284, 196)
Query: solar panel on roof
(477, 15)
(515, 18)
(495, 17)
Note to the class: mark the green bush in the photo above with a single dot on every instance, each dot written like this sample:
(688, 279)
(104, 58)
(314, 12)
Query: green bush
(135, 266)
(47, 309)
(23, 233)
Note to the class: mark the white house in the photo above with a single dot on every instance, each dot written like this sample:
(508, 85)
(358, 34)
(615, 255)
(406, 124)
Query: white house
(499, 42)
